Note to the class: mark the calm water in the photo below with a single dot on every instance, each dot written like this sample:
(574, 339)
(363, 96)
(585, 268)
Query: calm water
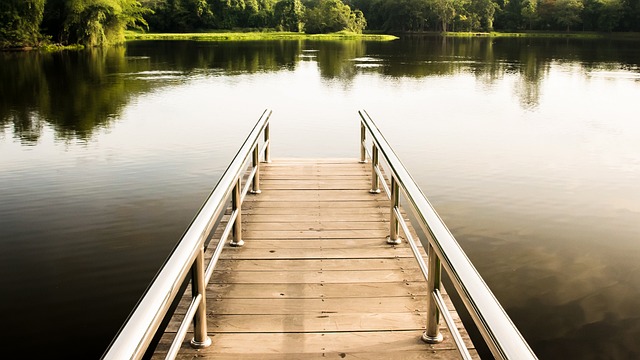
(528, 149)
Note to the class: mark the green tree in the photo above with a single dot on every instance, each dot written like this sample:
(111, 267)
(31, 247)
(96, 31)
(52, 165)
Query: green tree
(465, 16)
(546, 12)
(610, 13)
(333, 15)
(529, 12)
(264, 17)
(93, 22)
(20, 22)
(289, 15)
(510, 14)
(404, 15)
(631, 15)
(567, 12)
(445, 10)
(486, 10)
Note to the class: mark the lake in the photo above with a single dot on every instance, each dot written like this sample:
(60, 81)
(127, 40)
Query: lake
(528, 149)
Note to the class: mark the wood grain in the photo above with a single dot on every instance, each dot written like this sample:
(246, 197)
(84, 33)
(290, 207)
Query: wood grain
(316, 278)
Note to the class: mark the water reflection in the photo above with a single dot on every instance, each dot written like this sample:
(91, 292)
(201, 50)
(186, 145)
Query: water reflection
(76, 92)
(71, 91)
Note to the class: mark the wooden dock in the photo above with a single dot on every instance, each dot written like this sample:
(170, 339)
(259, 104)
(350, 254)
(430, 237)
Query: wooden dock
(316, 278)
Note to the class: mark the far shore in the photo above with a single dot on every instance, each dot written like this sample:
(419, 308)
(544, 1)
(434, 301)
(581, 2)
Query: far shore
(241, 35)
(370, 36)
(536, 34)
(256, 35)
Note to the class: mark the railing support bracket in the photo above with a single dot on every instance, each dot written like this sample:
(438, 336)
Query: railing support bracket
(200, 344)
(397, 241)
(432, 339)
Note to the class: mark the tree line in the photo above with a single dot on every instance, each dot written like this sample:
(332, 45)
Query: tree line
(103, 22)
(315, 16)
(25, 23)
(502, 15)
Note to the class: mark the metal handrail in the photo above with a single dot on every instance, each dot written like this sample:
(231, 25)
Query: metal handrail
(187, 258)
(498, 331)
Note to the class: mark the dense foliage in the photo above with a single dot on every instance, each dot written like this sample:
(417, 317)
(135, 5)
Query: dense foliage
(395, 15)
(86, 22)
(91, 22)
(315, 16)
(102, 22)
(331, 16)
(506, 15)
(19, 22)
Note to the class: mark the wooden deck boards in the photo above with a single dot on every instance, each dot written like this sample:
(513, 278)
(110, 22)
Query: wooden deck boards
(315, 278)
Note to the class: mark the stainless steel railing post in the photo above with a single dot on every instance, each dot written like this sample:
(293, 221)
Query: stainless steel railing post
(255, 184)
(198, 287)
(432, 335)
(375, 181)
(236, 206)
(394, 224)
(267, 141)
(363, 137)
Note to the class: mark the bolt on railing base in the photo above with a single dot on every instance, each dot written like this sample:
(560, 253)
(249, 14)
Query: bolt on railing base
(432, 339)
(236, 243)
(200, 344)
(397, 241)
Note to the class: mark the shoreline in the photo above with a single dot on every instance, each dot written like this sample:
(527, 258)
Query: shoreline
(368, 36)
(249, 36)
(533, 34)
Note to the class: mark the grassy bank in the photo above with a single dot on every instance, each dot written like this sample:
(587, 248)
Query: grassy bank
(545, 34)
(44, 47)
(244, 36)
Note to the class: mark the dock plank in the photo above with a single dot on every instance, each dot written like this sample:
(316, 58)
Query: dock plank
(316, 278)
(375, 345)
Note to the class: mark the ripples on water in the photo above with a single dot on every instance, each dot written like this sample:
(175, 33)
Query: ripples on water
(528, 150)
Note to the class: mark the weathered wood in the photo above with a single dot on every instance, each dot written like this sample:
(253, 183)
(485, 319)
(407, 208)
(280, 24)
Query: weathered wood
(316, 225)
(315, 306)
(310, 291)
(316, 278)
(311, 217)
(318, 211)
(328, 253)
(253, 202)
(315, 243)
(441, 354)
(307, 244)
(376, 345)
(302, 184)
(317, 234)
(317, 322)
(314, 196)
(322, 264)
